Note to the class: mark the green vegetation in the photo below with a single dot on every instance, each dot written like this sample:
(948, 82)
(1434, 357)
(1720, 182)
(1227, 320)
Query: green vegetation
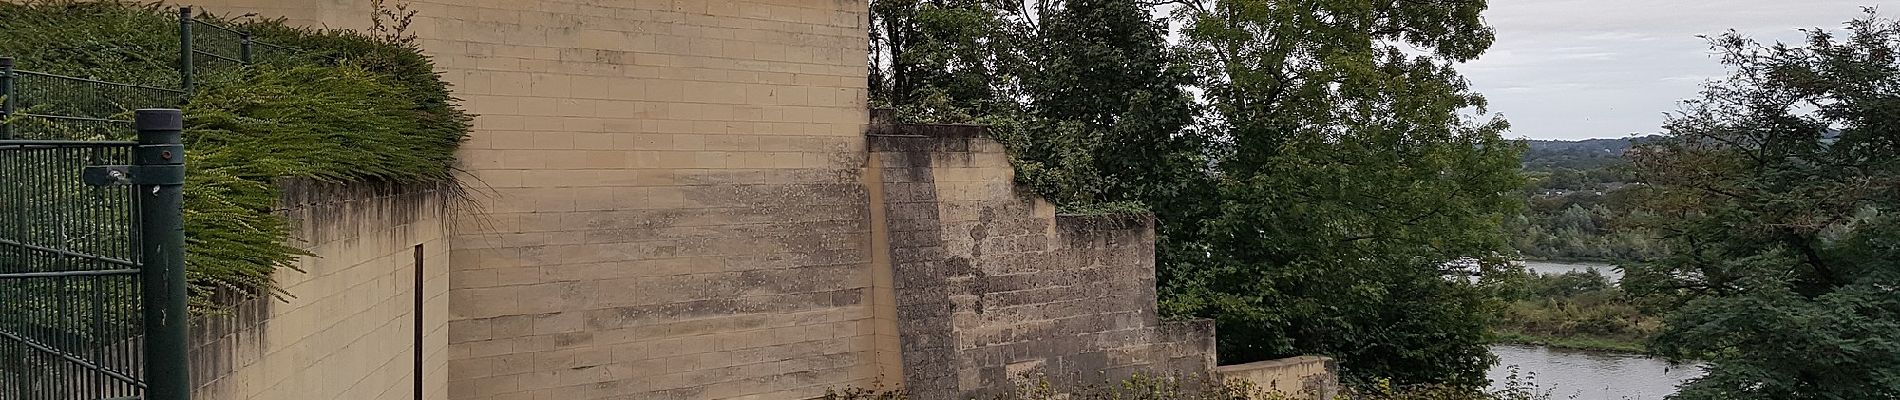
(1778, 190)
(1514, 387)
(1079, 73)
(349, 108)
(1581, 196)
(1308, 203)
(1141, 387)
(1313, 193)
(1351, 175)
(1578, 310)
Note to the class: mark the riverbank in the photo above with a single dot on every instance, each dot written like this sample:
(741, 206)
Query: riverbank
(1579, 308)
(1616, 345)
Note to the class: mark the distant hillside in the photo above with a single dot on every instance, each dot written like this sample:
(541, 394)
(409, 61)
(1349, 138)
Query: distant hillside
(1581, 154)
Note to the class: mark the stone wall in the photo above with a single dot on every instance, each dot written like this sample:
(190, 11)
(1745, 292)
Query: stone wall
(991, 286)
(348, 329)
(673, 204)
(677, 211)
(679, 202)
(1308, 377)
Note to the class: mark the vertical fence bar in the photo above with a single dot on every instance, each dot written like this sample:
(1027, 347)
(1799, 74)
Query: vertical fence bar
(184, 49)
(244, 47)
(6, 97)
(158, 170)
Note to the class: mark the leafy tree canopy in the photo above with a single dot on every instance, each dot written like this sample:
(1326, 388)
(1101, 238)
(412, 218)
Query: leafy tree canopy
(1353, 172)
(1776, 190)
(1307, 199)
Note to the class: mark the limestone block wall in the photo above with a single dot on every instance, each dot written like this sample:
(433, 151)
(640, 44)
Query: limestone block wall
(679, 202)
(348, 331)
(1309, 377)
(677, 212)
(673, 208)
(992, 286)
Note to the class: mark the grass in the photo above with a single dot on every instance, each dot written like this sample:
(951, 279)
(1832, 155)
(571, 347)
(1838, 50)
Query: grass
(1574, 310)
(1195, 387)
(1617, 345)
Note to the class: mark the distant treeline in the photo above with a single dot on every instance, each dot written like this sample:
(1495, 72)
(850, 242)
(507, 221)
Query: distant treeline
(1581, 200)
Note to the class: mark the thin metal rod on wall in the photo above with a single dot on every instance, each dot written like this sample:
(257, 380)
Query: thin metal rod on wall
(418, 320)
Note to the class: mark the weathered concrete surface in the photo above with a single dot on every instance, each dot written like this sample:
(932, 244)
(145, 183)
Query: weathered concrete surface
(992, 286)
(672, 205)
(1311, 377)
(677, 211)
(348, 331)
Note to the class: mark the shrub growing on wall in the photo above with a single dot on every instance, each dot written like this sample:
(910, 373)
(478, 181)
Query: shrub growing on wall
(343, 108)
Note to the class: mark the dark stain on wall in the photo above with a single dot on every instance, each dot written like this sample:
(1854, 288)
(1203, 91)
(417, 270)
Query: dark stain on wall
(921, 266)
(994, 289)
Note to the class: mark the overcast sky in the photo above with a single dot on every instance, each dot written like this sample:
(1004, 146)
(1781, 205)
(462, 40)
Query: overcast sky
(1574, 69)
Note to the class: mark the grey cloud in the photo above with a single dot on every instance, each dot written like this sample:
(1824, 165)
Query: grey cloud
(1608, 68)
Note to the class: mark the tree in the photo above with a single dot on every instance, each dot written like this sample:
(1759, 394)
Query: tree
(1108, 106)
(939, 60)
(1087, 95)
(1776, 192)
(1349, 177)
(1311, 212)
(1110, 121)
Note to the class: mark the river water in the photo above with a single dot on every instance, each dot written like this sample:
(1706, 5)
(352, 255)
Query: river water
(1543, 267)
(1588, 375)
(1584, 375)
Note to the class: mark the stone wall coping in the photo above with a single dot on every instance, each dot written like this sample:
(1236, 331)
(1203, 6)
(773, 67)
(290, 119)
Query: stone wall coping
(1276, 363)
(1109, 221)
(1190, 321)
(927, 130)
(883, 123)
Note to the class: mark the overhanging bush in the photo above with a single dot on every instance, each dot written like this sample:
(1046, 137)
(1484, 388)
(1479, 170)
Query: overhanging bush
(347, 108)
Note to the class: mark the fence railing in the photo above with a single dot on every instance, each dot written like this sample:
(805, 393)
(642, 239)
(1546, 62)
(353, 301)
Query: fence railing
(70, 309)
(92, 286)
(208, 44)
(92, 269)
(45, 106)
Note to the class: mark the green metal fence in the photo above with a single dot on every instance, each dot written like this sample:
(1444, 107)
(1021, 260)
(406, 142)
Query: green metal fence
(221, 45)
(92, 282)
(207, 44)
(43, 106)
(92, 286)
(69, 289)
(47, 106)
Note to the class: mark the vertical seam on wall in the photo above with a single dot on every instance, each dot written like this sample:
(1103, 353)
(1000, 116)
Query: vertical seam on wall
(884, 294)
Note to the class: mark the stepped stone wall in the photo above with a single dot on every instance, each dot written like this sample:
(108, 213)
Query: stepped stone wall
(680, 201)
(992, 287)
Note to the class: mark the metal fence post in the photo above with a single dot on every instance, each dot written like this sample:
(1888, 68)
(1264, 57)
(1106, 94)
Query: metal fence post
(158, 172)
(184, 49)
(244, 47)
(6, 97)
